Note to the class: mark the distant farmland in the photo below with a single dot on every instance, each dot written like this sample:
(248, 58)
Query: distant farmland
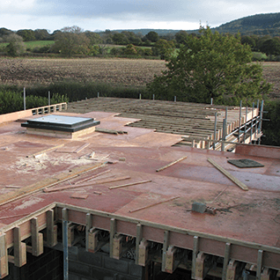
(115, 71)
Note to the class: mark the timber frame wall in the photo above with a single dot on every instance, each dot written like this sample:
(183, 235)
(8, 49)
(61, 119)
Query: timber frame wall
(265, 258)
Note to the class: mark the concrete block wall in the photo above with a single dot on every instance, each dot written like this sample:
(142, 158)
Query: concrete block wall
(99, 266)
(48, 266)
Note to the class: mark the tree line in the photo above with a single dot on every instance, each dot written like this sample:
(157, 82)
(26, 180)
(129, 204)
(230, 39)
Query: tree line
(71, 41)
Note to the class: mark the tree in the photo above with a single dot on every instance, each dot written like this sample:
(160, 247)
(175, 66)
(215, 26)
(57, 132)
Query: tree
(249, 41)
(27, 34)
(163, 48)
(211, 66)
(271, 46)
(5, 32)
(152, 36)
(181, 37)
(130, 50)
(16, 46)
(93, 37)
(41, 34)
(120, 39)
(71, 41)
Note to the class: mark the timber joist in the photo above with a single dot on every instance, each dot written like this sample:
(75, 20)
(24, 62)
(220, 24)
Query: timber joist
(188, 119)
(201, 246)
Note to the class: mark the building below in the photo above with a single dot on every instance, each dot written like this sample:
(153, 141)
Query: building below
(124, 201)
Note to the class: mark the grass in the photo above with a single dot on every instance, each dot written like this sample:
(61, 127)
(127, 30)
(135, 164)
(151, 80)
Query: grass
(258, 56)
(38, 44)
(32, 44)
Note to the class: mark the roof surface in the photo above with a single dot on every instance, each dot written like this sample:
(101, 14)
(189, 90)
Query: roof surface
(251, 216)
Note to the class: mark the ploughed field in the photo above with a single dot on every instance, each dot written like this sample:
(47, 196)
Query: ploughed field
(115, 71)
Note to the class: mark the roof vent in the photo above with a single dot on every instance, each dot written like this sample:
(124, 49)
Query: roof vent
(60, 126)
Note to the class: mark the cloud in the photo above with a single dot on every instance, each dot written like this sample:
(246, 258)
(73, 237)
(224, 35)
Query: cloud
(123, 14)
(15, 6)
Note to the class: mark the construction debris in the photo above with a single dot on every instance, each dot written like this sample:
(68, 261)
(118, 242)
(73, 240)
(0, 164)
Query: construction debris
(91, 177)
(131, 184)
(79, 195)
(45, 151)
(201, 207)
(227, 174)
(170, 164)
(198, 207)
(151, 205)
(48, 190)
(81, 148)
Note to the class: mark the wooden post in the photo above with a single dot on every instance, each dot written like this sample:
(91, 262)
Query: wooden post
(92, 242)
(265, 275)
(51, 229)
(240, 114)
(245, 125)
(170, 259)
(117, 246)
(88, 228)
(199, 266)
(231, 270)
(164, 249)
(251, 130)
(65, 243)
(259, 264)
(112, 235)
(138, 240)
(215, 129)
(143, 253)
(224, 134)
(260, 122)
(195, 251)
(226, 260)
(71, 235)
(3, 257)
(36, 238)
(24, 99)
(19, 249)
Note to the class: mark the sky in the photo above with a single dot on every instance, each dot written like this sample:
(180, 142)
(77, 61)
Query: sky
(127, 14)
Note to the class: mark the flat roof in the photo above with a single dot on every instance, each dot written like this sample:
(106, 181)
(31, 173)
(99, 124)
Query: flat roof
(163, 197)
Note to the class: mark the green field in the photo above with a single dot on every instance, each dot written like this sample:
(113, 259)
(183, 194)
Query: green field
(33, 44)
(38, 44)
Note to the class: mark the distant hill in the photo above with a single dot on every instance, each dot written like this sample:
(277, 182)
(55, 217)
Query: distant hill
(261, 24)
